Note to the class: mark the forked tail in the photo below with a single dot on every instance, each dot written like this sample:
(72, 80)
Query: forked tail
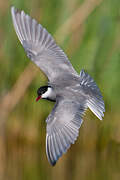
(94, 98)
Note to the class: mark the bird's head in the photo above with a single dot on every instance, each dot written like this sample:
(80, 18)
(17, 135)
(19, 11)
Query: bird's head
(43, 92)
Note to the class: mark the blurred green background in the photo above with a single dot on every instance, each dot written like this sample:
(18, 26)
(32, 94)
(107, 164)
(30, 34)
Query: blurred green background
(89, 33)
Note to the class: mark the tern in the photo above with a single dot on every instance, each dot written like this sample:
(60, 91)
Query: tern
(72, 93)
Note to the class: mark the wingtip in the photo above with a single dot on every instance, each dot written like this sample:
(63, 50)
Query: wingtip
(102, 116)
(12, 9)
(51, 161)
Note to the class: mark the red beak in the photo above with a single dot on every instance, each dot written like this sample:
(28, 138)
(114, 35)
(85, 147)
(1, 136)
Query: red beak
(39, 97)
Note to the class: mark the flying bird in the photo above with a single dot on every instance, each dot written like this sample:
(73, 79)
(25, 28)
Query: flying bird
(72, 93)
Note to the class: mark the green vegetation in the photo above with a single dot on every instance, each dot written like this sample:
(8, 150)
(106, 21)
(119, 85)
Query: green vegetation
(94, 46)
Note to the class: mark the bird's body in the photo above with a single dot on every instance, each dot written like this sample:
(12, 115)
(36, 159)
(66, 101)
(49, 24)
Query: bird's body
(71, 92)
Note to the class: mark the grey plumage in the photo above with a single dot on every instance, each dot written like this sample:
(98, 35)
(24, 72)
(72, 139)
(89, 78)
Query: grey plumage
(73, 93)
(62, 127)
(39, 45)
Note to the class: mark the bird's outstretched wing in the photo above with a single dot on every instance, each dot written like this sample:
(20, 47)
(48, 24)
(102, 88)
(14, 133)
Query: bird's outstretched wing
(40, 46)
(62, 128)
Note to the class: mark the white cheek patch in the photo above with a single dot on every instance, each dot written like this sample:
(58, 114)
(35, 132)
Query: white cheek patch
(47, 93)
